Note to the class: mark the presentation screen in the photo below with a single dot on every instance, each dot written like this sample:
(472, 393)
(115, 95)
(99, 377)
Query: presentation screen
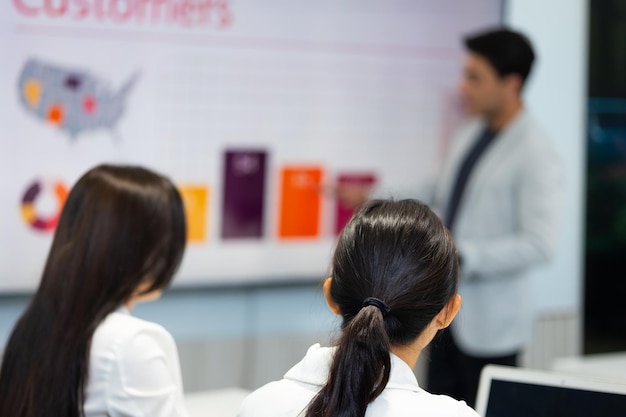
(255, 109)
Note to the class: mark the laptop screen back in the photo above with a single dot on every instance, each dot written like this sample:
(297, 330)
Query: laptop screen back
(512, 392)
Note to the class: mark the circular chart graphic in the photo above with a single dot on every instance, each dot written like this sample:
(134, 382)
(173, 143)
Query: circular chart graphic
(29, 210)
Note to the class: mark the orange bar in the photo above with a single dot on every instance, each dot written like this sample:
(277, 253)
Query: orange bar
(300, 202)
(195, 199)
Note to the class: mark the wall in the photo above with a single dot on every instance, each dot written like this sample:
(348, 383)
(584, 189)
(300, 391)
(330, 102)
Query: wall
(244, 336)
(556, 95)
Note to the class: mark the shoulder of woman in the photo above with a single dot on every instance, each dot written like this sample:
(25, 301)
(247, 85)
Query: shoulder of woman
(128, 337)
(142, 337)
(425, 403)
(459, 408)
(136, 361)
(278, 398)
(147, 360)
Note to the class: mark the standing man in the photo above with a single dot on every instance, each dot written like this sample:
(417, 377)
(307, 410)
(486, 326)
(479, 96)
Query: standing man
(500, 193)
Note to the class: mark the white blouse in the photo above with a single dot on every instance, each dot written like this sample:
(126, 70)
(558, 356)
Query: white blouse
(402, 396)
(133, 370)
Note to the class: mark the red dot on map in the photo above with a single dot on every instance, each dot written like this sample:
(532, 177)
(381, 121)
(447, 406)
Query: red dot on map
(89, 104)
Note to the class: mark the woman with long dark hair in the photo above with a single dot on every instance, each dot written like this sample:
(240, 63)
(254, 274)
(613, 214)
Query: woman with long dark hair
(394, 282)
(77, 351)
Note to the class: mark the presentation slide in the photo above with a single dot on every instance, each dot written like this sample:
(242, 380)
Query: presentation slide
(255, 109)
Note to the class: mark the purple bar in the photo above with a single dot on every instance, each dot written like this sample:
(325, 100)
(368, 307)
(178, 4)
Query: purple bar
(244, 192)
(344, 213)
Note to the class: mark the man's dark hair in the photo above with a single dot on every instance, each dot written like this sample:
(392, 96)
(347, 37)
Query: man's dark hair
(507, 51)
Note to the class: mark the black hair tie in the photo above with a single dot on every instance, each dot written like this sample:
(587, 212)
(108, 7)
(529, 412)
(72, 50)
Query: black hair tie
(373, 301)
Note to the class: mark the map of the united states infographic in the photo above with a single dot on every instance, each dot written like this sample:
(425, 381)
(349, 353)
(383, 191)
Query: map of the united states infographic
(72, 99)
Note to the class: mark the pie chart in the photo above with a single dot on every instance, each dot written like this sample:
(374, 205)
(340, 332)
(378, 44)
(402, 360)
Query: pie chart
(29, 200)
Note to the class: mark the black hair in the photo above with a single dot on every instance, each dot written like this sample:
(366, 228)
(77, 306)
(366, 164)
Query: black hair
(507, 51)
(401, 254)
(120, 227)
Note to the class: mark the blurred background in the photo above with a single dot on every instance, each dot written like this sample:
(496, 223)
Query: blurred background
(297, 95)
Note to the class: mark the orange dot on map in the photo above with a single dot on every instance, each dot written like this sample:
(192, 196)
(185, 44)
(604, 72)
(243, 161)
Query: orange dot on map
(55, 114)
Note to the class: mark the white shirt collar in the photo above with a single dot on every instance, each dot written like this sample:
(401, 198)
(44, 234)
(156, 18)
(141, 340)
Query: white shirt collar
(315, 366)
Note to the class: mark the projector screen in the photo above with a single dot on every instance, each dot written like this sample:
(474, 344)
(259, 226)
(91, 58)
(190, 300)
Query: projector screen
(253, 108)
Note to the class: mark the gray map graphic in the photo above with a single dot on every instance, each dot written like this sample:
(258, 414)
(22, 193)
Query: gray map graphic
(72, 99)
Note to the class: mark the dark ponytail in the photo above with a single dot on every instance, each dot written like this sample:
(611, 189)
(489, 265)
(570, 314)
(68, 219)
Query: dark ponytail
(401, 254)
(364, 341)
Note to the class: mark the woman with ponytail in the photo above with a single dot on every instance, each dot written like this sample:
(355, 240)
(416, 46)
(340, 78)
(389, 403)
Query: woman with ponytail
(394, 282)
(76, 351)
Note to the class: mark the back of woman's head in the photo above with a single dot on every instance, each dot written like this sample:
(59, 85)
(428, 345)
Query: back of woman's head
(121, 228)
(395, 268)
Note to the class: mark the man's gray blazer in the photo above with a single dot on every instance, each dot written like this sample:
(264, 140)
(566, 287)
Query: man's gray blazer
(506, 223)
